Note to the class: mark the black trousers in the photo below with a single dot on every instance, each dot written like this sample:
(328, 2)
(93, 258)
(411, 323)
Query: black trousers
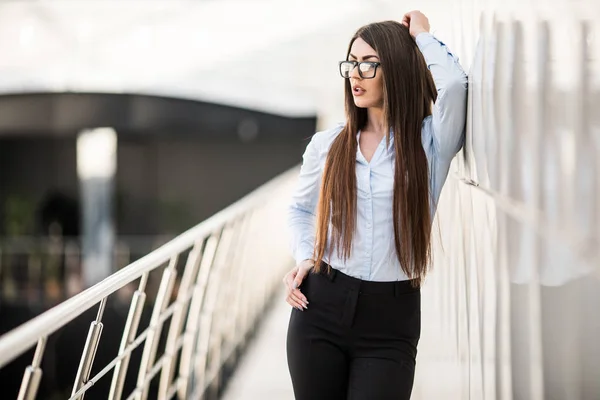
(356, 341)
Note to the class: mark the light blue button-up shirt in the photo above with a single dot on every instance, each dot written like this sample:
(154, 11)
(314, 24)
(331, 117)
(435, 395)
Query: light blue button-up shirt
(373, 255)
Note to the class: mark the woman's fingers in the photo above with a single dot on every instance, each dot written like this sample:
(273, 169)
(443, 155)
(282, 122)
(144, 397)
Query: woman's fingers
(298, 297)
(295, 297)
(292, 281)
(288, 279)
(300, 275)
(416, 22)
(406, 20)
(294, 302)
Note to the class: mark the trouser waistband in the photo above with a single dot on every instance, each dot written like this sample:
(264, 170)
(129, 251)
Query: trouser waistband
(368, 287)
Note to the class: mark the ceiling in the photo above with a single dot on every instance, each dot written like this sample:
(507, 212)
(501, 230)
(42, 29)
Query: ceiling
(268, 55)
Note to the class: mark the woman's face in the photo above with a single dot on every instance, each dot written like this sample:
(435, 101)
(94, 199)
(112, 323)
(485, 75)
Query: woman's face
(366, 92)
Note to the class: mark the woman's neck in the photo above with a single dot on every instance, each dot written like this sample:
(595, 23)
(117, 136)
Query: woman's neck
(375, 121)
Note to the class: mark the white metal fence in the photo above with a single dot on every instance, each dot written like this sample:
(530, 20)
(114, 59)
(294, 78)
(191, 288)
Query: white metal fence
(43, 271)
(235, 260)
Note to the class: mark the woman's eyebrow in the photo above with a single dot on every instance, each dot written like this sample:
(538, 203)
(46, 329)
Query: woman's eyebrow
(365, 57)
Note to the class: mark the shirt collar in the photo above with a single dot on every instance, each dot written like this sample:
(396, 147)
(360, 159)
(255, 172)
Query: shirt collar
(391, 142)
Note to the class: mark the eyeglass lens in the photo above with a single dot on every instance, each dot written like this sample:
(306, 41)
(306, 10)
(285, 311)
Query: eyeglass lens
(365, 69)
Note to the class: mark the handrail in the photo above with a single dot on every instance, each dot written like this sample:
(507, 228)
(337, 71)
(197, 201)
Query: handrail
(22, 338)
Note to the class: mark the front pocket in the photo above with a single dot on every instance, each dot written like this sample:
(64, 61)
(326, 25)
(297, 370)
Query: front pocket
(322, 292)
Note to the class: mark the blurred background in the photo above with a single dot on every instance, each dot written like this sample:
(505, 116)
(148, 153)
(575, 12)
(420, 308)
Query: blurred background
(144, 131)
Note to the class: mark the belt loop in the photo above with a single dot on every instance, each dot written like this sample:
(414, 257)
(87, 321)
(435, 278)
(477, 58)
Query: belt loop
(397, 289)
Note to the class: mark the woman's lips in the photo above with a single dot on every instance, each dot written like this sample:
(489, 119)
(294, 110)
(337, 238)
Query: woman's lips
(358, 91)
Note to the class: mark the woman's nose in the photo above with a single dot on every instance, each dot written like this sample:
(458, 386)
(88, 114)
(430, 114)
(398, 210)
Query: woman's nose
(354, 73)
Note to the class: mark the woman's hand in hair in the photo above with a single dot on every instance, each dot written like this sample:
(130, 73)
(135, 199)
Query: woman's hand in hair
(292, 281)
(416, 22)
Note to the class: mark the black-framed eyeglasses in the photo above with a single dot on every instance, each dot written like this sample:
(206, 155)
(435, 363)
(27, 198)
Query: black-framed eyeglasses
(366, 69)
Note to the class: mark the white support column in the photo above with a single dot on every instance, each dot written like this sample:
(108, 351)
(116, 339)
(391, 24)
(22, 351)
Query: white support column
(96, 167)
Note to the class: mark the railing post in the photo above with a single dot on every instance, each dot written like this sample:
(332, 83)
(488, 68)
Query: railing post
(235, 286)
(89, 352)
(33, 374)
(226, 310)
(206, 339)
(189, 277)
(248, 250)
(151, 345)
(186, 365)
(129, 334)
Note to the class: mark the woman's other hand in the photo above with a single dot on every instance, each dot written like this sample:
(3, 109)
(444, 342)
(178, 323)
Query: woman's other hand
(292, 281)
(416, 22)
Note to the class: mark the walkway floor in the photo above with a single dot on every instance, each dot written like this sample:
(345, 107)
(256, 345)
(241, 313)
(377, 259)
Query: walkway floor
(263, 372)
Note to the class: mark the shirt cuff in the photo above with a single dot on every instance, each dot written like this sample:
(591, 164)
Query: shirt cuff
(425, 38)
(304, 253)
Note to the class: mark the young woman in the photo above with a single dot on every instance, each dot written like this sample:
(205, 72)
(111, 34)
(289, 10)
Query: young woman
(361, 215)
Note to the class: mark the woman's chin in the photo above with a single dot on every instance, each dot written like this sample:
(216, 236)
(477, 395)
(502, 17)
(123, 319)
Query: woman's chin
(362, 103)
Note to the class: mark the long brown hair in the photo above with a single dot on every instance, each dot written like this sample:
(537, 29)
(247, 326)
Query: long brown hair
(408, 92)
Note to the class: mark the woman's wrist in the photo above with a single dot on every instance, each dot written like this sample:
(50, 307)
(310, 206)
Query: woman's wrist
(417, 33)
(306, 263)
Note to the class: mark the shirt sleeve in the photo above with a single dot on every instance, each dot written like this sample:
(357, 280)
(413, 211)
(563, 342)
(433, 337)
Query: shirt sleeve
(302, 208)
(450, 108)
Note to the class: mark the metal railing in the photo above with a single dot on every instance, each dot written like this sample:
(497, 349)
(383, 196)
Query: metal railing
(43, 271)
(235, 260)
